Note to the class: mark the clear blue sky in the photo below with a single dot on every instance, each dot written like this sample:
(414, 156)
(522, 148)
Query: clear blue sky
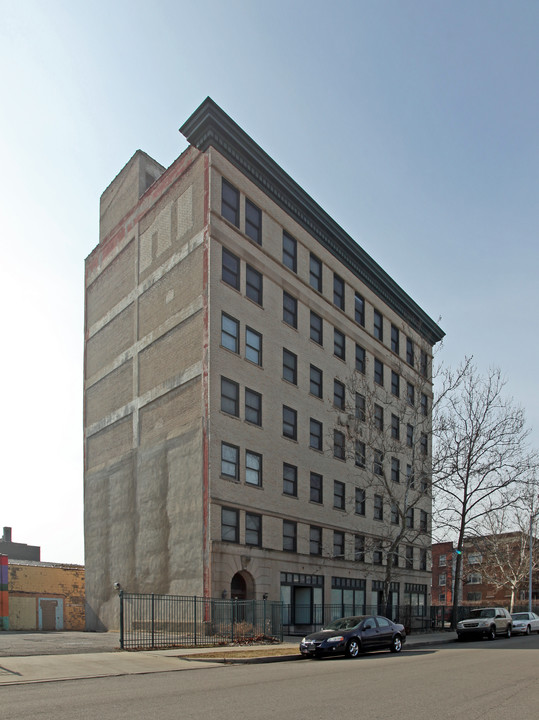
(414, 123)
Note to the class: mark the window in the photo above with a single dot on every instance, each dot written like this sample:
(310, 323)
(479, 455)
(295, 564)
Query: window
(290, 367)
(339, 348)
(315, 438)
(423, 521)
(378, 463)
(442, 560)
(424, 363)
(474, 596)
(316, 328)
(395, 339)
(424, 444)
(338, 495)
(253, 284)
(394, 513)
(360, 359)
(395, 384)
(338, 394)
(424, 405)
(338, 544)
(359, 548)
(230, 397)
(290, 252)
(409, 518)
(475, 558)
(290, 423)
(360, 407)
(290, 310)
(359, 309)
(475, 579)
(410, 394)
(230, 269)
(229, 525)
(230, 203)
(315, 540)
(395, 427)
(409, 351)
(360, 453)
(377, 554)
(253, 346)
(315, 272)
(253, 529)
(338, 445)
(289, 536)
(410, 479)
(424, 484)
(316, 488)
(338, 291)
(395, 557)
(409, 435)
(316, 380)
(378, 326)
(253, 221)
(360, 501)
(423, 559)
(290, 479)
(395, 470)
(441, 598)
(230, 333)
(409, 557)
(230, 461)
(378, 507)
(378, 417)
(253, 468)
(253, 407)
(442, 579)
(378, 372)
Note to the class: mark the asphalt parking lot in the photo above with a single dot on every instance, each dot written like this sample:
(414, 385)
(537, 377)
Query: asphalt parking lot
(24, 644)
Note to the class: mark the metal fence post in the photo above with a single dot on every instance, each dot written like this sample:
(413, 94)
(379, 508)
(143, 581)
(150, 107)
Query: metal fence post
(121, 594)
(153, 620)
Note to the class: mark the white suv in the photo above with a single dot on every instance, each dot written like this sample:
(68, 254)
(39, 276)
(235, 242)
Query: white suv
(486, 622)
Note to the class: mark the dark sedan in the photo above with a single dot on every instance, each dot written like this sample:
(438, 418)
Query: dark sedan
(354, 635)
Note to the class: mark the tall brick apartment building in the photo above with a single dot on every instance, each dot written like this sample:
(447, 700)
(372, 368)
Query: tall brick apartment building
(226, 451)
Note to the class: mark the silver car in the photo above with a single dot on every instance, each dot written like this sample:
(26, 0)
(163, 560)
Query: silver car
(525, 622)
(486, 622)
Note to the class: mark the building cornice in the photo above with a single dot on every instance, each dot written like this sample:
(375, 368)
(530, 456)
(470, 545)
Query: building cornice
(209, 126)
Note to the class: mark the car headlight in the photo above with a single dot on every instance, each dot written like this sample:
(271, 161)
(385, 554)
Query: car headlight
(303, 640)
(459, 625)
(336, 638)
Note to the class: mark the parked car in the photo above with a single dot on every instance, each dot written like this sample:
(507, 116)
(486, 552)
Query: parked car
(351, 636)
(486, 622)
(525, 622)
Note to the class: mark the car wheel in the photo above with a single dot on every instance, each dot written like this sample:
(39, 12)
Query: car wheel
(528, 630)
(396, 644)
(460, 637)
(492, 633)
(508, 631)
(353, 648)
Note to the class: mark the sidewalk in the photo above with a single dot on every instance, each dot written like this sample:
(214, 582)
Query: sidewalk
(48, 668)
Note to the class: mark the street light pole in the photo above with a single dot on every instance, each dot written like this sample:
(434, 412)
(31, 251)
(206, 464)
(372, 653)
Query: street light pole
(532, 516)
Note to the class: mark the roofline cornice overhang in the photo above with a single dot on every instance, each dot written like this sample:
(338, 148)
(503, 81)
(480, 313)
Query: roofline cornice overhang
(210, 125)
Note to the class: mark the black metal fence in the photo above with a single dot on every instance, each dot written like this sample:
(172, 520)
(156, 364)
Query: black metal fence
(160, 621)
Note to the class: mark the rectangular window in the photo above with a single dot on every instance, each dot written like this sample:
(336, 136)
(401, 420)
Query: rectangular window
(230, 397)
(442, 560)
(290, 367)
(290, 423)
(395, 427)
(395, 384)
(359, 309)
(230, 203)
(424, 444)
(378, 462)
(339, 347)
(410, 435)
(360, 501)
(230, 269)
(253, 285)
(290, 310)
(395, 470)
(338, 395)
(410, 393)
(360, 359)
(338, 495)
(230, 525)
(424, 363)
(410, 479)
(378, 417)
(378, 372)
(290, 252)
(315, 437)
(360, 407)
(315, 540)
(230, 461)
(409, 557)
(378, 326)
(442, 579)
(395, 558)
(316, 488)
(230, 333)
(409, 351)
(253, 529)
(423, 521)
(289, 536)
(253, 407)
(315, 272)
(338, 544)
(360, 453)
(290, 480)
(253, 346)
(253, 468)
(338, 291)
(395, 339)
(378, 507)
(359, 548)
(338, 445)
(410, 518)
(253, 221)
(377, 554)
(316, 381)
(316, 328)
(424, 405)
(394, 513)
(474, 596)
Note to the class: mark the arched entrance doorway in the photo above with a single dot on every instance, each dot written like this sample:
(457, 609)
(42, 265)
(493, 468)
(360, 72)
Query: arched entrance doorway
(242, 586)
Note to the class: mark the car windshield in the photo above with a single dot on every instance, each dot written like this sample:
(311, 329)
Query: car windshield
(520, 616)
(346, 623)
(487, 613)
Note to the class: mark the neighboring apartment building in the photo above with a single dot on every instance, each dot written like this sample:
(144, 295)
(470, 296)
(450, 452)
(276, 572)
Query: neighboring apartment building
(443, 568)
(17, 551)
(257, 393)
